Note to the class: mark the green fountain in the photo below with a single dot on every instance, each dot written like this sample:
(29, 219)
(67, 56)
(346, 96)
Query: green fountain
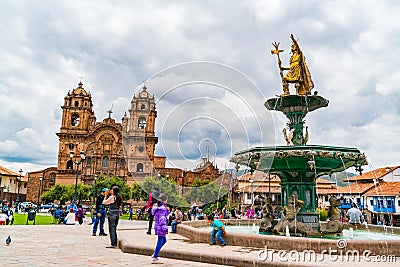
(298, 164)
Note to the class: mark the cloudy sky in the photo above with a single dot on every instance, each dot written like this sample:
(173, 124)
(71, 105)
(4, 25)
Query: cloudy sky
(209, 66)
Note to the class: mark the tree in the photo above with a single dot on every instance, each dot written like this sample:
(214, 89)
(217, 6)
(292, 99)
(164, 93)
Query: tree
(206, 193)
(167, 187)
(65, 193)
(137, 193)
(103, 182)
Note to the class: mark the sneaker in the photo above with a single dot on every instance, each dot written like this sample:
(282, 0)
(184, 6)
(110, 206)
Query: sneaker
(223, 244)
(212, 244)
(149, 233)
(103, 234)
(156, 261)
(111, 246)
(94, 234)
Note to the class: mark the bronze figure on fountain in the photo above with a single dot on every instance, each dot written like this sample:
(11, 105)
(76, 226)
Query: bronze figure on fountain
(333, 226)
(298, 72)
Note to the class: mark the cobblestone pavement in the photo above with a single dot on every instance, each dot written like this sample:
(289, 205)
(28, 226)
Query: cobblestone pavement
(68, 245)
(73, 245)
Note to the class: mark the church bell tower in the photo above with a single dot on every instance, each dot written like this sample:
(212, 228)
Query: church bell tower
(139, 135)
(77, 120)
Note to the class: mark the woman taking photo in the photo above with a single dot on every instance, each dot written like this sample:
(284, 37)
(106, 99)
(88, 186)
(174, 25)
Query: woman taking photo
(114, 199)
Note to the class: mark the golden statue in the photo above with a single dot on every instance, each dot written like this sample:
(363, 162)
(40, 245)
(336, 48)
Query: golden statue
(298, 72)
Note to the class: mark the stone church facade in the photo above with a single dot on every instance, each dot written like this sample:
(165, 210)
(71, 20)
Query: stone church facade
(124, 149)
(102, 142)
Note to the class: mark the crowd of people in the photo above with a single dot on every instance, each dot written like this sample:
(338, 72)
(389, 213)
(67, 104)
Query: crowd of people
(7, 214)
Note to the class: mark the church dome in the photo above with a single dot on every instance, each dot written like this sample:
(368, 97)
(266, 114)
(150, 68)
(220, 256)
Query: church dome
(80, 91)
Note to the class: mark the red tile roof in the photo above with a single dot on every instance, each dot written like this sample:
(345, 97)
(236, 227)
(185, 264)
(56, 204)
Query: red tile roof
(375, 174)
(257, 176)
(385, 189)
(356, 188)
(7, 171)
(323, 181)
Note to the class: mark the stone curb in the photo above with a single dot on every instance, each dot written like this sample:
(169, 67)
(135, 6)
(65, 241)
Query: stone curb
(198, 256)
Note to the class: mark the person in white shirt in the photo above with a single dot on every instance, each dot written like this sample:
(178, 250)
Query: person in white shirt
(354, 214)
(3, 218)
(70, 218)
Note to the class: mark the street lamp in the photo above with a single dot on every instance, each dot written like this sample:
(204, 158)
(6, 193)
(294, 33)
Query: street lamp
(38, 197)
(94, 188)
(252, 193)
(83, 155)
(19, 185)
(160, 177)
(358, 168)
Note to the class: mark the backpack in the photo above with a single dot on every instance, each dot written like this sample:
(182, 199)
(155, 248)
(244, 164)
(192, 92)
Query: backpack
(193, 210)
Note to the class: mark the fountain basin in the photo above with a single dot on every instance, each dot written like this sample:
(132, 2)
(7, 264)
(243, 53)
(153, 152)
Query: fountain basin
(318, 245)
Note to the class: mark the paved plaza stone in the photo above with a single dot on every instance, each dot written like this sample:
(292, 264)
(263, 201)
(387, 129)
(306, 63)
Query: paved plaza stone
(74, 245)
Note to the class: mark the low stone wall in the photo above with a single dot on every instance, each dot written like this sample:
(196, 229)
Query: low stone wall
(318, 245)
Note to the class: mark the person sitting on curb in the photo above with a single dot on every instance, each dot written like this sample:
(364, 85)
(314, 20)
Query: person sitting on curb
(178, 219)
(3, 218)
(218, 230)
(70, 218)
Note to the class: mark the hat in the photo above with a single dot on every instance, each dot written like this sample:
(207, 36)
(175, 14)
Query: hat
(104, 189)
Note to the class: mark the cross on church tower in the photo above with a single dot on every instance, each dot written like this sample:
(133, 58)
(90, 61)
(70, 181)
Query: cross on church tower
(110, 111)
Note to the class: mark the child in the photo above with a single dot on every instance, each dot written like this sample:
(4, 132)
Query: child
(160, 212)
(80, 214)
(218, 230)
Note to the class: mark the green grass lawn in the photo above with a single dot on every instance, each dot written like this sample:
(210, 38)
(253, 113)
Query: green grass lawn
(20, 219)
(41, 219)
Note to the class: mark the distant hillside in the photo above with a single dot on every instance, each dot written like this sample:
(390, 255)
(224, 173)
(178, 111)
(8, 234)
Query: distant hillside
(340, 176)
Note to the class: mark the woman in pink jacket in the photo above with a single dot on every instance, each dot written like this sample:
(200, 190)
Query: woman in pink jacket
(160, 212)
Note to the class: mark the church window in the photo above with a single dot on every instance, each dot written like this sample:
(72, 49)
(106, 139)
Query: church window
(75, 120)
(139, 167)
(52, 177)
(141, 149)
(69, 165)
(142, 123)
(105, 162)
(89, 160)
(71, 146)
(122, 162)
(143, 107)
(76, 103)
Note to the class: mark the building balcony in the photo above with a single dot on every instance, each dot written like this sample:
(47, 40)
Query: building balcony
(384, 209)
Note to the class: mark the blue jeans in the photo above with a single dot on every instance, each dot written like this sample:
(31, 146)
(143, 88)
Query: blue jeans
(100, 219)
(217, 233)
(160, 243)
(173, 226)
